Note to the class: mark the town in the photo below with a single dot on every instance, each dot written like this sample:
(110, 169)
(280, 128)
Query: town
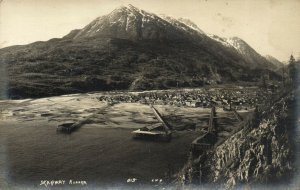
(228, 98)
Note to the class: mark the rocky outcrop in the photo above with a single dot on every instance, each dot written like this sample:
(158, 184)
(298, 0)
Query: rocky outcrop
(261, 155)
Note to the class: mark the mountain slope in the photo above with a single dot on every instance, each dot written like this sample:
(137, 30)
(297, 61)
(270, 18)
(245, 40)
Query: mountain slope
(126, 49)
(129, 22)
(190, 24)
(250, 55)
(184, 24)
(275, 61)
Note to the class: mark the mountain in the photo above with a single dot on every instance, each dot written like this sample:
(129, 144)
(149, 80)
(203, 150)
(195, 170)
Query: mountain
(192, 25)
(184, 24)
(129, 22)
(128, 48)
(250, 55)
(275, 61)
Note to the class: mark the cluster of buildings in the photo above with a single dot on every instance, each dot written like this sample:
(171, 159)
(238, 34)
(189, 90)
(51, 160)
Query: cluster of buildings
(237, 98)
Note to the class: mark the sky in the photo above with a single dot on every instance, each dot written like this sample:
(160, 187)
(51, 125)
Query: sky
(270, 26)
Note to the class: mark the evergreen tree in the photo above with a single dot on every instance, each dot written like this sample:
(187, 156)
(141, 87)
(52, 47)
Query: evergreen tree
(292, 69)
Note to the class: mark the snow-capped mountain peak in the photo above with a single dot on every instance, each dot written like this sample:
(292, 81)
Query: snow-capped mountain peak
(234, 42)
(245, 50)
(129, 9)
(129, 22)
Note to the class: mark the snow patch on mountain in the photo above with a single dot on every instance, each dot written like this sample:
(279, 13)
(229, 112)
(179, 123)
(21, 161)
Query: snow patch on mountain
(220, 40)
(232, 42)
(182, 23)
(129, 22)
(191, 24)
(245, 50)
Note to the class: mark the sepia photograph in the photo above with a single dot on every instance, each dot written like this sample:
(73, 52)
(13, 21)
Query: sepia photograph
(149, 94)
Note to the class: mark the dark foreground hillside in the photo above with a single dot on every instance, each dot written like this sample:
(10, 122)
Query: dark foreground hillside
(71, 66)
(261, 153)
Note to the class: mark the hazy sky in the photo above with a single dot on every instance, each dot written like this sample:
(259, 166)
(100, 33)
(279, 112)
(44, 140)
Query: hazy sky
(269, 26)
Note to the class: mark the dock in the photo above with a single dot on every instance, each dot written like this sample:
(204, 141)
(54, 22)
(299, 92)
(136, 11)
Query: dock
(158, 130)
(70, 127)
(207, 140)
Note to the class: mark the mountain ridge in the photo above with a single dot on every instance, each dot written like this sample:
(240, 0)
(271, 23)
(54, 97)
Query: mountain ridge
(275, 61)
(245, 50)
(128, 48)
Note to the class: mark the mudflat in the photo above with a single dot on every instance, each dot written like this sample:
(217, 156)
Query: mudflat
(101, 152)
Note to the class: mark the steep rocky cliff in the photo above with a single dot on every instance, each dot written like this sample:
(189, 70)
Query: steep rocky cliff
(261, 153)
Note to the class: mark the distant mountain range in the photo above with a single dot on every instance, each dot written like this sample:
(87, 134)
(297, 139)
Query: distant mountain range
(130, 48)
(249, 54)
(274, 61)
